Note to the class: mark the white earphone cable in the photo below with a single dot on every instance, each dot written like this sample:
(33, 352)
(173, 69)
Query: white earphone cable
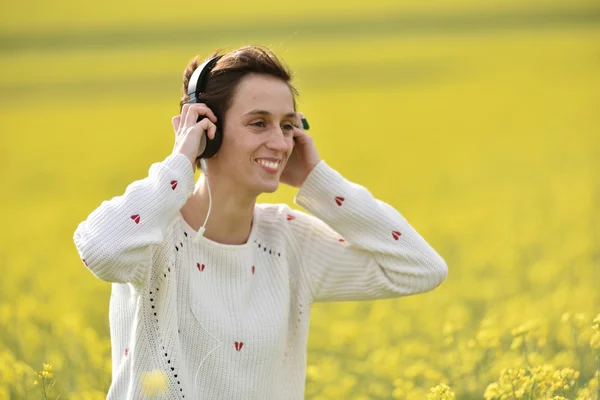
(196, 239)
(203, 227)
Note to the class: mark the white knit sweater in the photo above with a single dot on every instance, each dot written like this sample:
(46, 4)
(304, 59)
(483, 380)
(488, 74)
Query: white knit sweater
(231, 321)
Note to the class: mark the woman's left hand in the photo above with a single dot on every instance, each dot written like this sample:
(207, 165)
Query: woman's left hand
(303, 159)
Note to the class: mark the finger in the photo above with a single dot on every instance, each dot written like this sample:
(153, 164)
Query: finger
(298, 132)
(197, 110)
(203, 109)
(184, 112)
(300, 136)
(191, 116)
(175, 122)
(207, 126)
(212, 131)
(299, 116)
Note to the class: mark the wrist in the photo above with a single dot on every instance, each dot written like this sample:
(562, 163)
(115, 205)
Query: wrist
(309, 170)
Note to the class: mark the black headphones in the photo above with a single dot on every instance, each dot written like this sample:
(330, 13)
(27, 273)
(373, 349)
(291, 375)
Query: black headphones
(196, 86)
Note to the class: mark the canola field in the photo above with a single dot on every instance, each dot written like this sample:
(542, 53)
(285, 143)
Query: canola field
(478, 121)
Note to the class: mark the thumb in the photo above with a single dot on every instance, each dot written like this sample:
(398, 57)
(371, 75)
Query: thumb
(175, 121)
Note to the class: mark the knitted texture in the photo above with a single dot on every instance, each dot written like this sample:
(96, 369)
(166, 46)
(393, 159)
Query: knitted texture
(231, 321)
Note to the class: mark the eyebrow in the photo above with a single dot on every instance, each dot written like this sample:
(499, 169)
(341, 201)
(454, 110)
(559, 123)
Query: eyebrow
(267, 113)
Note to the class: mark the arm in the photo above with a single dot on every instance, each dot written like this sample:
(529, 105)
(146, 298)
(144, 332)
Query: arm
(356, 247)
(116, 240)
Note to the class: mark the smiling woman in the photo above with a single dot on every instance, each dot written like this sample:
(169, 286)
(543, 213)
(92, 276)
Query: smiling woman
(227, 316)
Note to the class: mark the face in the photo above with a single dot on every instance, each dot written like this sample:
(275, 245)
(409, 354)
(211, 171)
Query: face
(258, 134)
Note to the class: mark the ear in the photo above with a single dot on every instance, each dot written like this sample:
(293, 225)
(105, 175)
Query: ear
(175, 122)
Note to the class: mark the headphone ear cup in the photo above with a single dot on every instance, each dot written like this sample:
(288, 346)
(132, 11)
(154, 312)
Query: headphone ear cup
(196, 85)
(212, 146)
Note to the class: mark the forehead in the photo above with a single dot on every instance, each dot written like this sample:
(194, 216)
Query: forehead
(263, 92)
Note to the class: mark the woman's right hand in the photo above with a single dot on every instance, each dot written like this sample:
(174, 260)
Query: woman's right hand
(188, 132)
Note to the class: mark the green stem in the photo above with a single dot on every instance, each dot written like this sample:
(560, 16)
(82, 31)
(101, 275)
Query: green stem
(514, 392)
(576, 347)
(526, 352)
(44, 387)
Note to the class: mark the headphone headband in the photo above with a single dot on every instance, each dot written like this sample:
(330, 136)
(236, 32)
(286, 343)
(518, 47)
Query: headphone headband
(199, 77)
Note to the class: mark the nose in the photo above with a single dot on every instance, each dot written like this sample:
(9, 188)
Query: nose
(277, 141)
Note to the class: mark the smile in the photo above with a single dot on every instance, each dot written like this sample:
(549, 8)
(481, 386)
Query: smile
(269, 166)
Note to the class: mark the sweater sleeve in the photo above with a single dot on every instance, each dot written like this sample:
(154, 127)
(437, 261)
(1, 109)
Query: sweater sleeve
(117, 239)
(355, 247)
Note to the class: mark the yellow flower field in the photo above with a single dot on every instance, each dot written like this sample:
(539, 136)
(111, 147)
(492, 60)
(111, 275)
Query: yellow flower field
(478, 121)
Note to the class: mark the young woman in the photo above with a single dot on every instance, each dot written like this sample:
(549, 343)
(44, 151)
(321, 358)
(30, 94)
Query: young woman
(221, 306)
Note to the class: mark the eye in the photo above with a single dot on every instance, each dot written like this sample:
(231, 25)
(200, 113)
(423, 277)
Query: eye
(288, 127)
(258, 123)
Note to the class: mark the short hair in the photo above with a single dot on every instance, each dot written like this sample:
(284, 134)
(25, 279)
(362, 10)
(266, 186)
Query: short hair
(229, 71)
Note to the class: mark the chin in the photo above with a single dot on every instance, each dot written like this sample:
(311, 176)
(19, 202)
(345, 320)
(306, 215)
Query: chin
(262, 186)
(270, 188)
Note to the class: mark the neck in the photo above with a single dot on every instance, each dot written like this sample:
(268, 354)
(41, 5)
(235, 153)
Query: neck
(231, 214)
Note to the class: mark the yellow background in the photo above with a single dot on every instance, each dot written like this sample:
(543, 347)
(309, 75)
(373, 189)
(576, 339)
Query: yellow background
(478, 121)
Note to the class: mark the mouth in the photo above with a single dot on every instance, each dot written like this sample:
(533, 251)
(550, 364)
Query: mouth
(269, 165)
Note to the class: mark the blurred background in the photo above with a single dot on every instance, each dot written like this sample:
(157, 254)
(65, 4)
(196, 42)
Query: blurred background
(478, 120)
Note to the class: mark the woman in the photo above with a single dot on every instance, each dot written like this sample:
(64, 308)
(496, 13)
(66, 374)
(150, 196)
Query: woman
(224, 311)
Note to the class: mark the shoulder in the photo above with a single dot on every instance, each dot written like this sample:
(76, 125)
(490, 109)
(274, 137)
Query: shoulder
(275, 213)
(281, 217)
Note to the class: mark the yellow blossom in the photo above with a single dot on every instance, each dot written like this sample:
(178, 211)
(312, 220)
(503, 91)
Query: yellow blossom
(440, 392)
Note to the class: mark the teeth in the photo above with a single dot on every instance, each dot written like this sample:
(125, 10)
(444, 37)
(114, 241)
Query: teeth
(269, 164)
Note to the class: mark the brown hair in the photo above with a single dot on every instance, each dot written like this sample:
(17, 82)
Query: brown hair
(229, 71)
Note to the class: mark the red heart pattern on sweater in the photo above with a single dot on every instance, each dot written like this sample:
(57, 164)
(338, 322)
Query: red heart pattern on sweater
(200, 267)
(173, 184)
(238, 345)
(126, 351)
(290, 217)
(339, 200)
(253, 270)
(396, 234)
(341, 240)
(136, 218)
